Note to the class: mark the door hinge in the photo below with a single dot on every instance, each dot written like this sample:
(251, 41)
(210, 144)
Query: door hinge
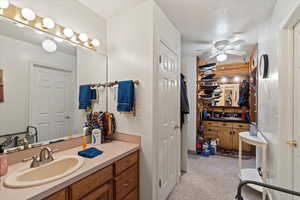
(160, 60)
(159, 183)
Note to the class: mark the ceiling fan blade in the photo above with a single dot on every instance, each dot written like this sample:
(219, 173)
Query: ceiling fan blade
(221, 44)
(236, 52)
(238, 42)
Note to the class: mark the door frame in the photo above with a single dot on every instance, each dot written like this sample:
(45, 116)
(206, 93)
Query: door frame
(286, 98)
(32, 64)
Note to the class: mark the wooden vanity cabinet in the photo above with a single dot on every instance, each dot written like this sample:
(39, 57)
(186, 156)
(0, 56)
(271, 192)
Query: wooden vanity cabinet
(119, 181)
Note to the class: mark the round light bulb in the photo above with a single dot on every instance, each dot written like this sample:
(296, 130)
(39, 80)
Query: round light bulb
(4, 4)
(222, 57)
(68, 32)
(237, 79)
(224, 80)
(49, 46)
(83, 37)
(48, 23)
(95, 42)
(28, 14)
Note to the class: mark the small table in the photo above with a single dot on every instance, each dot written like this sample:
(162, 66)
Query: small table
(252, 174)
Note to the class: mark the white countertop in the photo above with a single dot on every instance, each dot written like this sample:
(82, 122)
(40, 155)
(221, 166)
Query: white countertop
(111, 152)
(259, 139)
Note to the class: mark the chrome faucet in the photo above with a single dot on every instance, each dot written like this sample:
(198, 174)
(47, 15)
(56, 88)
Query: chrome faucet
(46, 156)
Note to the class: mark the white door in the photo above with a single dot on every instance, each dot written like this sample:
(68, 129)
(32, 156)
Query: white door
(51, 97)
(169, 121)
(296, 150)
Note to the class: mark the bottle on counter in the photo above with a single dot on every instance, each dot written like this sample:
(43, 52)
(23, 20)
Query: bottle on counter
(3, 161)
(96, 136)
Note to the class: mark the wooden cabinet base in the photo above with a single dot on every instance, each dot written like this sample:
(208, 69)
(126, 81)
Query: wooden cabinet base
(119, 181)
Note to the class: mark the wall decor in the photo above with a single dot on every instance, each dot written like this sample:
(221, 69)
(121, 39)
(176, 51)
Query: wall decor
(1, 86)
(264, 66)
(27, 17)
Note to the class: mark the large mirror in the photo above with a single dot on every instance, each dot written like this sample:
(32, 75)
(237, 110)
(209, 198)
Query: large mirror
(40, 77)
(229, 95)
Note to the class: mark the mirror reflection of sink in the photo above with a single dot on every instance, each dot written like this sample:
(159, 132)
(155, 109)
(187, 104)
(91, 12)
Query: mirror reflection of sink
(60, 167)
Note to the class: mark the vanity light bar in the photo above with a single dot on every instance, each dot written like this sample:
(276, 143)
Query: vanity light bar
(27, 17)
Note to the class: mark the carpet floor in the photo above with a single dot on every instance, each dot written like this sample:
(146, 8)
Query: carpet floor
(213, 178)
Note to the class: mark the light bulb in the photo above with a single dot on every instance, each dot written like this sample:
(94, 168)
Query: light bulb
(49, 46)
(224, 80)
(48, 23)
(4, 4)
(222, 57)
(95, 42)
(237, 79)
(83, 37)
(68, 32)
(28, 14)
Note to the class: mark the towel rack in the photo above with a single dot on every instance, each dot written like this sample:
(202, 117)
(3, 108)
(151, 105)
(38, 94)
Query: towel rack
(113, 83)
(97, 85)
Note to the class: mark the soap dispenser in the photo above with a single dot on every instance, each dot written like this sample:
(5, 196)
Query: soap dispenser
(3, 161)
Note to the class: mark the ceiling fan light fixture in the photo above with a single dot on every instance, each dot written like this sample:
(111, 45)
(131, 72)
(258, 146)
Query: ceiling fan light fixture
(222, 57)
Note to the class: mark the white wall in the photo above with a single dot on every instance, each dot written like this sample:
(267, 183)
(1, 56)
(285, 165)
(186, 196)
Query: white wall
(130, 48)
(15, 60)
(189, 69)
(271, 97)
(133, 39)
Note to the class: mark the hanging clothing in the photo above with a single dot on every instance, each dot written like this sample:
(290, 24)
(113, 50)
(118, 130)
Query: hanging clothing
(184, 102)
(244, 94)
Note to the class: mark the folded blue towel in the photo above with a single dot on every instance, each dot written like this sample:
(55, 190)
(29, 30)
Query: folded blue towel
(90, 152)
(84, 96)
(125, 96)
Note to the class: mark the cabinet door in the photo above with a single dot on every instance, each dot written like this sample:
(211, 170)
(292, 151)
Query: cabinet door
(225, 137)
(61, 195)
(105, 192)
(235, 138)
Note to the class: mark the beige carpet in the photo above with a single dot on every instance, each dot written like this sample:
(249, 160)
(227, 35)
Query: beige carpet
(213, 178)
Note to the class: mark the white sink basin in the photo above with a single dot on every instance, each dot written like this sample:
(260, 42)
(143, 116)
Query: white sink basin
(60, 167)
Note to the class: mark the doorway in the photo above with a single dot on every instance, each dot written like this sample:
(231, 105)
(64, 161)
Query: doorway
(50, 101)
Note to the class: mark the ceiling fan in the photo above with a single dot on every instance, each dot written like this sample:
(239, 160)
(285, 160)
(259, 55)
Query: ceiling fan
(221, 49)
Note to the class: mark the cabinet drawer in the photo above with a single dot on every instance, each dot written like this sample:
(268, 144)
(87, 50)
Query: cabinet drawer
(226, 125)
(126, 162)
(134, 195)
(208, 123)
(126, 182)
(241, 126)
(90, 183)
(105, 192)
(211, 129)
(61, 195)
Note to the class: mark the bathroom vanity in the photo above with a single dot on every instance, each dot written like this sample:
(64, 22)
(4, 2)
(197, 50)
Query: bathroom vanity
(112, 175)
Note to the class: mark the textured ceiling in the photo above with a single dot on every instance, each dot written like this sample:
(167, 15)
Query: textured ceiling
(201, 21)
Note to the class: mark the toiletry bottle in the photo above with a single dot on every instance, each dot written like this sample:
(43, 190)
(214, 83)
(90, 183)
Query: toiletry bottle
(96, 136)
(3, 162)
(84, 143)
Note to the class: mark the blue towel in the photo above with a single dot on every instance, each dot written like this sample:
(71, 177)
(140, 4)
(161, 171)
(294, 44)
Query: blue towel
(84, 97)
(125, 96)
(90, 152)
